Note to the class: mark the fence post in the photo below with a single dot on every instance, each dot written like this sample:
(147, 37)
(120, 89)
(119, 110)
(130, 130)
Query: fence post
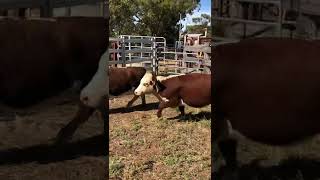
(129, 44)
(154, 56)
(123, 52)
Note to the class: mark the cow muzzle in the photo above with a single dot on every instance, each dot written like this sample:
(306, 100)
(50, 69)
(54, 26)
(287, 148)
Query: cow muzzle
(137, 93)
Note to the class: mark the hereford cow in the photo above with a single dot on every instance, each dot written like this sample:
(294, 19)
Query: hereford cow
(146, 86)
(268, 90)
(120, 80)
(192, 89)
(40, 58)
(93, 96)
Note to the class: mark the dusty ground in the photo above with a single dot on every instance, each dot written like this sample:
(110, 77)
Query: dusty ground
(26, 150)
(261, 162)
(145, 147)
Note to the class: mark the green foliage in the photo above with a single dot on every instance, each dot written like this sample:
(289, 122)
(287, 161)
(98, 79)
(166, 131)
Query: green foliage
(201, 23)
(122, 16)
(149, 17)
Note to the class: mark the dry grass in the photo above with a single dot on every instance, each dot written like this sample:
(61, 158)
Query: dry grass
(145, 147)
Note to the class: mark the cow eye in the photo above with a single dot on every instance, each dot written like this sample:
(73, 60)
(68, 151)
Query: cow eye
(146, 84)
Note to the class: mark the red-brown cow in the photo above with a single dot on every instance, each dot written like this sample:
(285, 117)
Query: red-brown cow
(192, 89)
(40, 58)
(268, 90)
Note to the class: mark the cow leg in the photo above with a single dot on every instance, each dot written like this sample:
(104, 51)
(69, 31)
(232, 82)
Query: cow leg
(228, 149)
(157, 96)
(82, 116)
(165, 103)
(143, 99)
(135, 97)
(181, 107)
(226, 143)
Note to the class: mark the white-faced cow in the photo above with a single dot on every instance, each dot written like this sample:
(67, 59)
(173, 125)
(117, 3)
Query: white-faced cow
(93, 96)
(146, 86)
(120, 80)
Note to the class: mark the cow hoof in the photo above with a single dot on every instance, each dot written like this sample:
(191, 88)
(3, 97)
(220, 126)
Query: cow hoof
(183, 117)
(159, 115)
(230, 174)
(60, 141)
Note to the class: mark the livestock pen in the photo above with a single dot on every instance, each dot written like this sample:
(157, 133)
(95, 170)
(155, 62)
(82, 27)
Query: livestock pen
(142, 146)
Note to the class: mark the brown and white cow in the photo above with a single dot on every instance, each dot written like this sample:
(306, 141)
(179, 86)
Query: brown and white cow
(40, 58)
(94, 95)
(120, 80)
(192, 89)
(268, 89)
(146, 86)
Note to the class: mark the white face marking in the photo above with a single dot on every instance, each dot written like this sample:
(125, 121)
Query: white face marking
(92, 94)
(145, 87)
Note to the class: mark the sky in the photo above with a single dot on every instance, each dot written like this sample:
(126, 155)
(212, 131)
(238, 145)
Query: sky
(205, 8)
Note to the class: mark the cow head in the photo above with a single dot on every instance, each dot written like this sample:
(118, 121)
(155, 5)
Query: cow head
(92, 95)
(147, 84)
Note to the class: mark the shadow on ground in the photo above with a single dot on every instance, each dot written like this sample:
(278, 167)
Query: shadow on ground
(147, 107)
(93, 146)
(292, 168)
(203, 115)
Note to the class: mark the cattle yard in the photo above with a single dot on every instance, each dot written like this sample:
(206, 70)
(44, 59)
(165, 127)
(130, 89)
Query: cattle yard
(143, 146)
(153, 53)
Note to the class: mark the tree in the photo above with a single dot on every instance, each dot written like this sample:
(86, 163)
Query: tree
(150, 17)
(122, 14)
(200, 24)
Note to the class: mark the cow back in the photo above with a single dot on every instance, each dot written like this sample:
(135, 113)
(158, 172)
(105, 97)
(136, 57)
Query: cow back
(40, 58)
(268, 85)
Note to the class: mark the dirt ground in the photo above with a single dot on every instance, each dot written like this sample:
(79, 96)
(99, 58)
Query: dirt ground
(26, 150)
(145, 147)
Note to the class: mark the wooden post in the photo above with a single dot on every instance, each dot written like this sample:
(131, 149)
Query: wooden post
(123, 52)
(220, 8)
(280, 19)
(22, 12)
(46, 10)
(245, 16)
(29, 12)
(68, 11)
(102, 8)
